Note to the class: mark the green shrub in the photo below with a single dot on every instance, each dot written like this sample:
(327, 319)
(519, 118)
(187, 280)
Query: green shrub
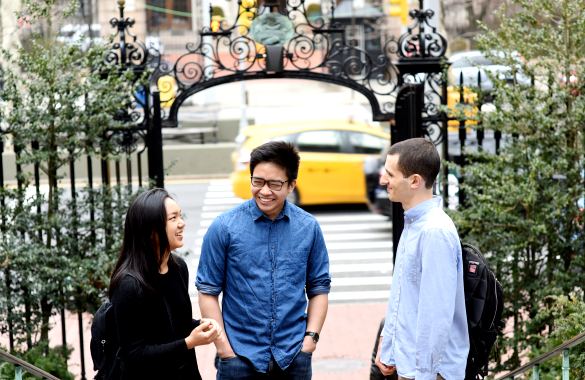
(51, 360)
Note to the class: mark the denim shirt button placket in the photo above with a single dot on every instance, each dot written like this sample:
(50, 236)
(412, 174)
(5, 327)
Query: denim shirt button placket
(273, 255)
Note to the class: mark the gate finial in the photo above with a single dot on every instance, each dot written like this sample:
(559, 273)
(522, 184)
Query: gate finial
(429, 45)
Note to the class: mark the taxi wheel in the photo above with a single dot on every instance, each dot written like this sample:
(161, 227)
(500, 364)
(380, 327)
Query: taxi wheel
(294, 198)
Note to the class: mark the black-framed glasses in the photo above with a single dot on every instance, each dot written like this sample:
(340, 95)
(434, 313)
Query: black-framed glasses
(273, 184)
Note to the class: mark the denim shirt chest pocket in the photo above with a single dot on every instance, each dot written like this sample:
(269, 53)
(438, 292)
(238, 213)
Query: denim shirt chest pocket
(296, 266)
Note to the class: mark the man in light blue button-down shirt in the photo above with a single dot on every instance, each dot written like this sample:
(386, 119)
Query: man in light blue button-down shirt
(425, 336)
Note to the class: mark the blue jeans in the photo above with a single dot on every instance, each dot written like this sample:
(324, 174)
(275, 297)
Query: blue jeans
(239, 368)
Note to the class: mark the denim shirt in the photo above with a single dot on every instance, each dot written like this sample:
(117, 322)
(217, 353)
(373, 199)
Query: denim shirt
(263, 267)
(426, 323)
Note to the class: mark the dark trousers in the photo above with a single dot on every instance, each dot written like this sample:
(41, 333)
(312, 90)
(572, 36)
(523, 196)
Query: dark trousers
(239, 368)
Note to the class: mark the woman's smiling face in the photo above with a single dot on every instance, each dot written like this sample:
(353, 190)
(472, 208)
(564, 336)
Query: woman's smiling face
(175, 224)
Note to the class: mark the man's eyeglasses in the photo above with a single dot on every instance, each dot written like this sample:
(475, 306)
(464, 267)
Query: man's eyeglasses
(272, 184)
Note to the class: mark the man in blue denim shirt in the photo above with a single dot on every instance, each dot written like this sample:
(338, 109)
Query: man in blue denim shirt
(262, 255)
(425, 335)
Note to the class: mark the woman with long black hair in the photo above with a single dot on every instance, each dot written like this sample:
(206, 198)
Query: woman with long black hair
(149, 292)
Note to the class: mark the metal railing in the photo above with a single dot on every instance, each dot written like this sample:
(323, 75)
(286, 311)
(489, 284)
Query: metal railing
(20, 365)
(534, 364)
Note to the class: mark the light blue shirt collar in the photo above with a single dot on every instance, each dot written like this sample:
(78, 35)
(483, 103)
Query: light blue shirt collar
(422, 208)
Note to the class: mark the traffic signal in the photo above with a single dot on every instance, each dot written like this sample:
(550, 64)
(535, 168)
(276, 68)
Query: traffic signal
(399, 8)
(215, 25)
(247, 15)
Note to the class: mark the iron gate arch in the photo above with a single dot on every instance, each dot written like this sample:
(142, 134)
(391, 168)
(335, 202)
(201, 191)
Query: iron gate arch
(204, 65)
(420, 54)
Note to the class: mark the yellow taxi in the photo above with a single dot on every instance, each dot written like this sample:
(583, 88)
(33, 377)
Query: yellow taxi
(454, 97)
(332, 156)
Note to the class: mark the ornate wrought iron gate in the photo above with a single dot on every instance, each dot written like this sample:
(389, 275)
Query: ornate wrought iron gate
(278, 40)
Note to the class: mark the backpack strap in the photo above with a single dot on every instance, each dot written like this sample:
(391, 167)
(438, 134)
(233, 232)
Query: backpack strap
(476, 251)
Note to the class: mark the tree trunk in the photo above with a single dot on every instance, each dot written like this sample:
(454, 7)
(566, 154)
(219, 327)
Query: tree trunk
(46, 308)
(27, 316)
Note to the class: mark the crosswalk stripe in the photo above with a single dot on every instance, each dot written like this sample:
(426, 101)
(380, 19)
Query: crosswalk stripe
(360, 256)
(359, 245)
(356, 226)
(220, 188)
(220, 201)
(358, 236)
(345, 245)
(320, 219)
(385, 255)
(356, 281)
(359, 295)
(343, 268)
(220, 208)
(221, 182)
(374, 267)
(331, 237)
(220, 194)
(330, 227)
(210, 215)
(351, 218)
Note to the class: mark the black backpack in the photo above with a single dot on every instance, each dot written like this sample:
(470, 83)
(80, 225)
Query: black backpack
(104, 345)
(484, 302)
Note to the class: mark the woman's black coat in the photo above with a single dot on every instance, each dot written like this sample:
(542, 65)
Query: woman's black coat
(149, 346)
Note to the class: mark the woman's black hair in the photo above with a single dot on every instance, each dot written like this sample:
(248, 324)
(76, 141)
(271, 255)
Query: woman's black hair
(145, 220)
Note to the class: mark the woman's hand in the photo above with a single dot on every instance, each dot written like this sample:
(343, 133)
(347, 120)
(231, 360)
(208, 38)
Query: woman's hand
(215, 323)
(207, 332)
(224, 349)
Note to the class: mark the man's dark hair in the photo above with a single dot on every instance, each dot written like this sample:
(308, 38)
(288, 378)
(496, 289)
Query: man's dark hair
(417, 156)
(281, 153)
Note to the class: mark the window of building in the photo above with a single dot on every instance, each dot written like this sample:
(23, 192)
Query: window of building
(158, 19)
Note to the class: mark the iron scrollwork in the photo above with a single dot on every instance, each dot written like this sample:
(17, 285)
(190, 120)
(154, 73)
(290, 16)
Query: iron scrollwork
(422, 44)
(319, 50)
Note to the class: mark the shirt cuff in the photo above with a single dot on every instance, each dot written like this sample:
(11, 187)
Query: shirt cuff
(316, 290)
(208, 289)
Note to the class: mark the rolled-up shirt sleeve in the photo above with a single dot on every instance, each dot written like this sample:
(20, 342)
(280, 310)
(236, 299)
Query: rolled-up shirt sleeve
(436, 304)
(318, 278)
(211, 270)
